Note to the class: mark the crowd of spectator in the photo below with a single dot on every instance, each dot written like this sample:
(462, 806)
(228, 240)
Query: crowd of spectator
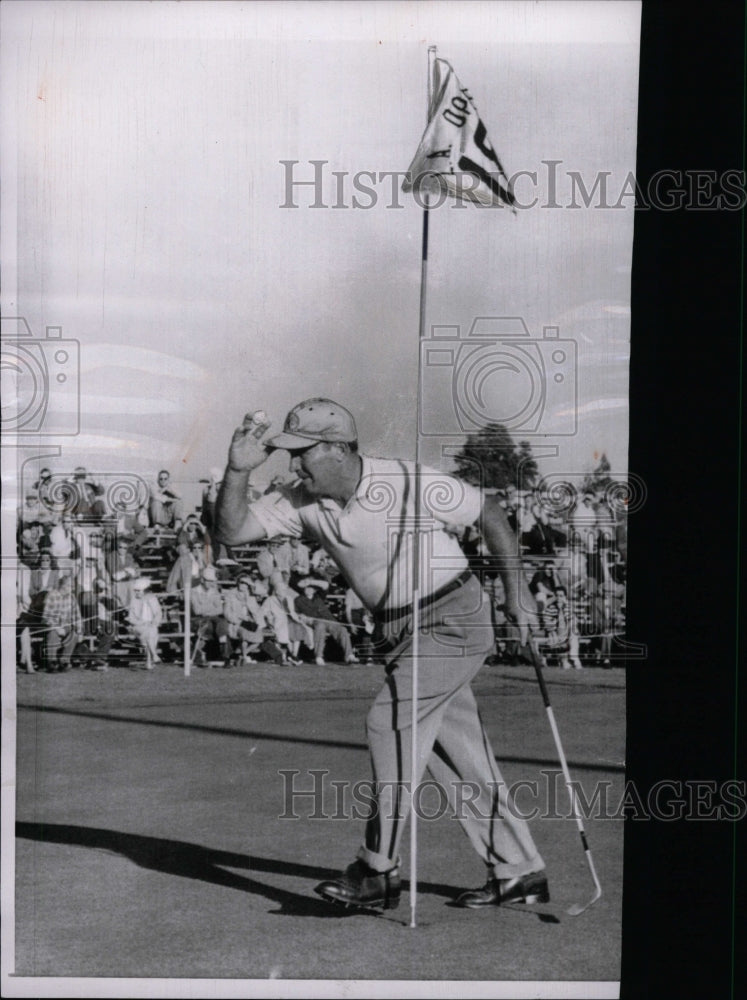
(105, 578)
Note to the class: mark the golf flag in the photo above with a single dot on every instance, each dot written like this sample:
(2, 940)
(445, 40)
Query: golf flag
(455, 153)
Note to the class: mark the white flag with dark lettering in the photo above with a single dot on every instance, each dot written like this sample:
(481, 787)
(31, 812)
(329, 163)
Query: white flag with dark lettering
(455, 153)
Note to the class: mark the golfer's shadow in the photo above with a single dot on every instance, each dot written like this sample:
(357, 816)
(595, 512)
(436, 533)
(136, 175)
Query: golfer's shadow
(175, 857)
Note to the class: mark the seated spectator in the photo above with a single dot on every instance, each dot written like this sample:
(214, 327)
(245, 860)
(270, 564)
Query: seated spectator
(144, 615)
(362, 625)
(543, 587)
(102, 625)
(62, 544)
(192, 530)
(190, 562)
(245, 617)
(122, 569)
(323, 566)
(208, 620)
(314, 611)
(32, 511)
(43, 485)
(132, 524)
(561, 634)
(265, 561)
(43, 578)
(63, 625)
(87, 500)
(605, 611)
(290, 630)
(166, 510)
(300, 561)
(540, 539)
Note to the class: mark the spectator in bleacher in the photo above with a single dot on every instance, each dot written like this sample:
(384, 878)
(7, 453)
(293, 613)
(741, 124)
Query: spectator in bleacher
(584, 533)
(122, 569)
(265, 562)
(282, 553)
(290, 630)
(132, 525)
(300, 560)
(43, 484)
(192, 531)
(33, 511)
(144, 615)
(30, 541)
(323, 566)
(605, 524)
(62, 544)
(87, 501)
(90, 566)
(362, 625)
(560, 637)
(543, 585)
(43, 578)
(245, 618)
(315, 612)
(166, 509)
(605, 609)
(208, 619)
(541, 537)
(185, 570)
(62, 621)
(100, 627)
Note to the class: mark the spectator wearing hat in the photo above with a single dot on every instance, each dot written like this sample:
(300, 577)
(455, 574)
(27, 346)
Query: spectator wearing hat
(314, 611)
(166, 509)
(63, 625)
(208, 619)
(144, 615)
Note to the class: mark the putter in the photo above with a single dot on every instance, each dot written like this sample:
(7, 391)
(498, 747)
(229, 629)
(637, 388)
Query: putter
(576, 908)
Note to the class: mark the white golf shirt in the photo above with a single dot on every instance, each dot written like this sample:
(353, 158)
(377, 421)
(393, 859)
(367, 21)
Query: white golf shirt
(371, 537)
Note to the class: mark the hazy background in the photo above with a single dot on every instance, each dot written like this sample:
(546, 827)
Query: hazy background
(141, 160)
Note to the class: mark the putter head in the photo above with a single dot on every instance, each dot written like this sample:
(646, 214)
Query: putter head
(577, 908)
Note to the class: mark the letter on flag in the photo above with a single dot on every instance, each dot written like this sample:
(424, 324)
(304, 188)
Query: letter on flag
(455, 152)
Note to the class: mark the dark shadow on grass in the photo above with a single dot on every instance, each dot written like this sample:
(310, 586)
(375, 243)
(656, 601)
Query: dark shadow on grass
(253, 734)
(175, 857)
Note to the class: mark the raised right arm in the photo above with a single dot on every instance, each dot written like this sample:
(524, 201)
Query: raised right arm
(234, 522)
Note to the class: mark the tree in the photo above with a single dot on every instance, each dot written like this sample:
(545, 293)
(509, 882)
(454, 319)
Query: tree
(489, 458)
(599, 479)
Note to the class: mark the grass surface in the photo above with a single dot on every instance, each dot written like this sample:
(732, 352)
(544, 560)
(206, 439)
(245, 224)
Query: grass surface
(150, 843)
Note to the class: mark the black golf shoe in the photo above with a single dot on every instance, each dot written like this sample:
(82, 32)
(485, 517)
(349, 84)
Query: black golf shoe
(360, 885)
(531, 888)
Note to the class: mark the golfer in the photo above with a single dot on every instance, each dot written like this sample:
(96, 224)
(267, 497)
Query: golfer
(362, 510)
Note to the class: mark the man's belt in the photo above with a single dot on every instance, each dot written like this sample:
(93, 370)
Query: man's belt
(389, 614)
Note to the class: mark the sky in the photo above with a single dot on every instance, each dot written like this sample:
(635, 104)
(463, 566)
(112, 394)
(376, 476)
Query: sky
(146, 218)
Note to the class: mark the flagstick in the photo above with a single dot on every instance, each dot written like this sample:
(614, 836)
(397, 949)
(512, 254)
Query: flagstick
(416, 556)
(187, 626)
